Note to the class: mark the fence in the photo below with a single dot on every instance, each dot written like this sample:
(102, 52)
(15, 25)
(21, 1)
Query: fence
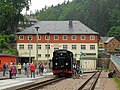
(116, 61)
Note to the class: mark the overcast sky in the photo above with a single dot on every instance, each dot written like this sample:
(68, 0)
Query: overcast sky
(39, 4)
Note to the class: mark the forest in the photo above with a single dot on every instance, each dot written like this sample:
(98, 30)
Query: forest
(102, 16)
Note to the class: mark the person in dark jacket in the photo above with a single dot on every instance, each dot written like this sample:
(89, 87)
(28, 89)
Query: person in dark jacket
(4, 69)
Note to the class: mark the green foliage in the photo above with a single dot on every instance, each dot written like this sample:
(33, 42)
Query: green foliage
(117, 80)
(99, 15)
(5, 44)
(114, 31)
(10, 14)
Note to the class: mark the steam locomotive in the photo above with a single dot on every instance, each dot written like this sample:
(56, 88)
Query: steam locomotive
(62, 63)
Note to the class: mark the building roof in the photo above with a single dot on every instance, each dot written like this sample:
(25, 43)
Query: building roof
(59, 27)
(106, 39)
(1, 54)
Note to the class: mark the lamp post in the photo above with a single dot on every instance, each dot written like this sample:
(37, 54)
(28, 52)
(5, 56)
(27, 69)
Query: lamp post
(48, 37)
(36, 42)
(29, 50)
(81, 62)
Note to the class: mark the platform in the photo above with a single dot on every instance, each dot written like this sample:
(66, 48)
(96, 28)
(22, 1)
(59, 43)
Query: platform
(21, 80)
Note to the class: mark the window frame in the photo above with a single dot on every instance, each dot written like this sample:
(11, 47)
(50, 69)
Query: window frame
(20, 37)
(29, 37)
(47, 46)
(92, 37)
(39, 37)
(21, 46)
(47, 37)
(92, 48)
(82, 37)
(40, 46)
(30, 46)
(83, 47)
(56, 38)
(74, 47)
(47, 55)
(74, 38)
(63, 37)
(65, 47)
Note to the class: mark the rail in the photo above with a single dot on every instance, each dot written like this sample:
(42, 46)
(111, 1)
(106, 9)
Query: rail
(38, 85)
(95, 78)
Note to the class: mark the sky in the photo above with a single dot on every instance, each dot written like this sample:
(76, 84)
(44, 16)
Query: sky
(39, 4)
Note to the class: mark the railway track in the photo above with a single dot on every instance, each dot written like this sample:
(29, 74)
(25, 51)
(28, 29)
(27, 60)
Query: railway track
(91, 82)
(39, 85)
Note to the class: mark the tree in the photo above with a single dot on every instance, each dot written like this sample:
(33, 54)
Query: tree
(10, 14)
(114, 32)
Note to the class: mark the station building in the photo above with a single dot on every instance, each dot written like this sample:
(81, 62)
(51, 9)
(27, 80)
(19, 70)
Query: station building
(38, 42)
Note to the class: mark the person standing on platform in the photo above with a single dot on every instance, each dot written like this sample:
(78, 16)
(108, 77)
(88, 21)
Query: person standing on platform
(19, 68)
(10, 70)
(28, 69)
(32, 69)
(14, 71)
(41, 68)
(45, 68)
(4, 69)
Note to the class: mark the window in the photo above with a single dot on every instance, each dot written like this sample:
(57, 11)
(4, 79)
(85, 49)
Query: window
(21, 46)
(47, 37)
(30, 37)
(56, 49)
(39, 55)
(39, 37)
(65, 37)
(21, 37)
(92, 37)
(73, 37)
(92, 47)
(56, 37)
(39, 46)
(47, 55)
(47, 46)
(30, 46)
(83, 37)
(83, 47)
(73, 46)
(65, 47)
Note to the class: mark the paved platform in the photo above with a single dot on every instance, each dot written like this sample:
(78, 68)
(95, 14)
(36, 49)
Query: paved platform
(21, 80)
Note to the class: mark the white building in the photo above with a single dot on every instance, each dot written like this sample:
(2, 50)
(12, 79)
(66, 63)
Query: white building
(70, 35)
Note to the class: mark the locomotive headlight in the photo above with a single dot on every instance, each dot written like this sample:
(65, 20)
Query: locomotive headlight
(56, 63)
(66, 63)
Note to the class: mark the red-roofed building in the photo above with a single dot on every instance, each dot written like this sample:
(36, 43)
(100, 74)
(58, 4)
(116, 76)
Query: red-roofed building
(110, 44)
(6, 58)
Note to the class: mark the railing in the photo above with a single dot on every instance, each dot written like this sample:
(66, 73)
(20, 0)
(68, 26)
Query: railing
(116, 61)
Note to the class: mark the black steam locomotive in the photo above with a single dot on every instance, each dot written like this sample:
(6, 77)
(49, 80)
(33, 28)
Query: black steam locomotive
(63, 63)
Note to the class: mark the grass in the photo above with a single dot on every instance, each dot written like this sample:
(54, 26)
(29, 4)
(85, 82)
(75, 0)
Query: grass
(117, 81)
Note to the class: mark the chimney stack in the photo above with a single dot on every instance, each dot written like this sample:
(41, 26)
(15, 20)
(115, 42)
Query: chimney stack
(70, 24)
